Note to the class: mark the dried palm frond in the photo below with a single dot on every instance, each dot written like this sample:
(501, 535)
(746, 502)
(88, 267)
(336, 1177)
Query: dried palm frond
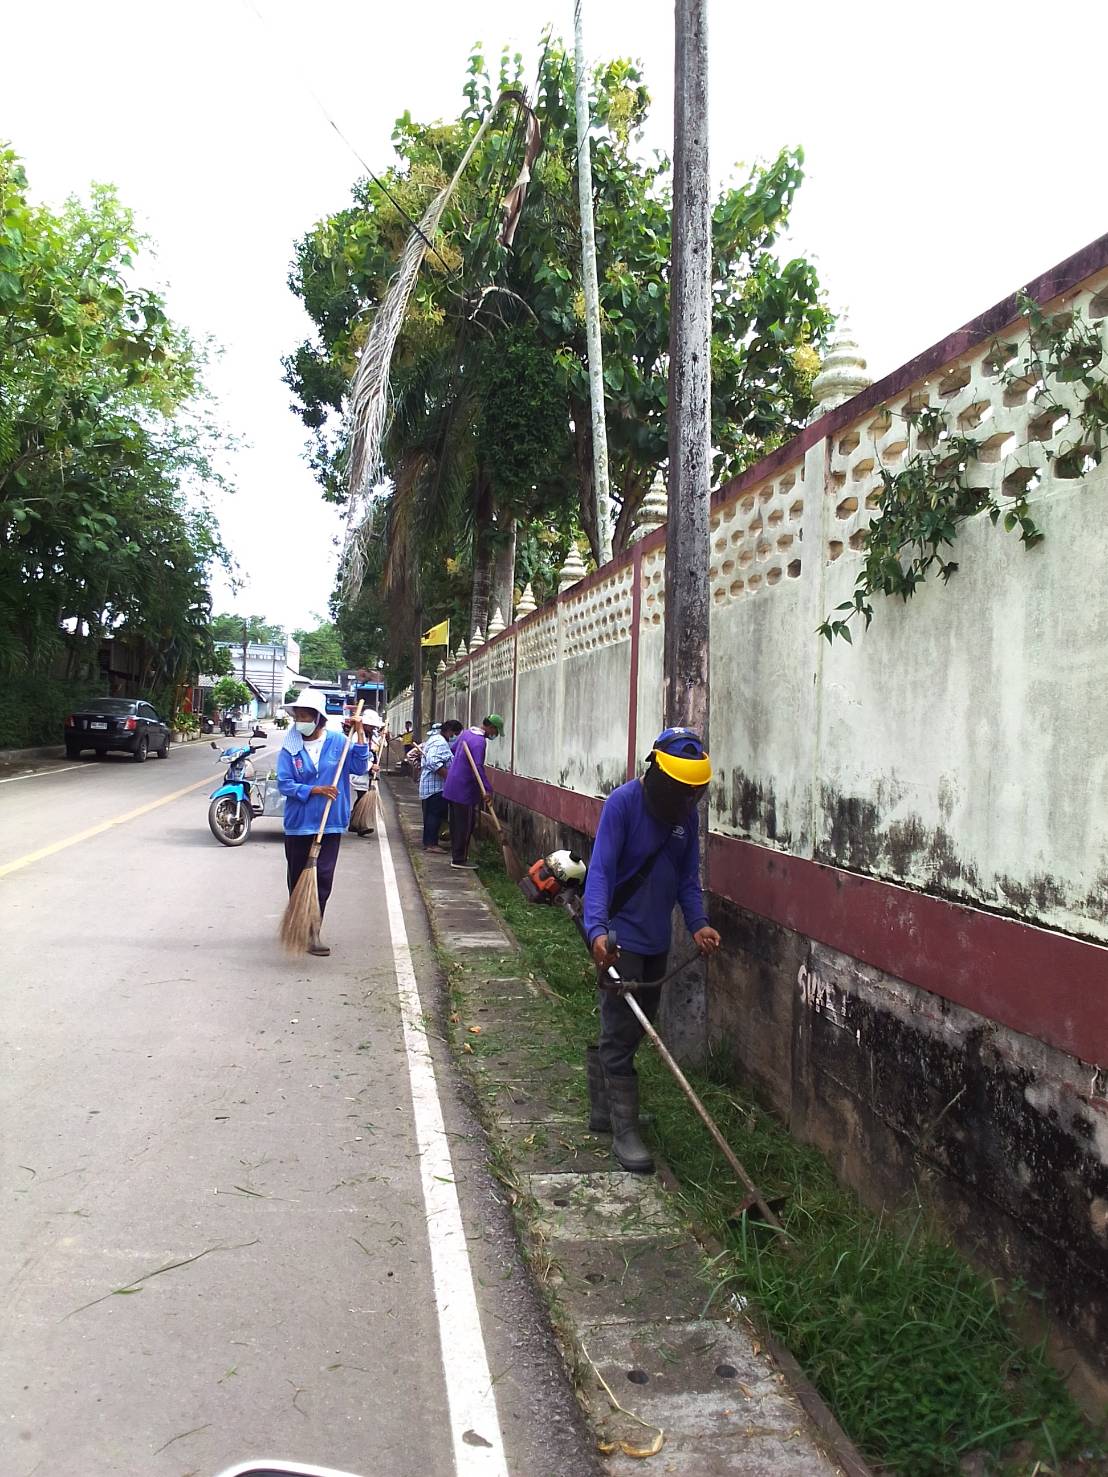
(369, 403)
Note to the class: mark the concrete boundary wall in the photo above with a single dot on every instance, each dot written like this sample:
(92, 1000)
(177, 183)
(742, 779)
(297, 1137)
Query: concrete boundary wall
(909, 837)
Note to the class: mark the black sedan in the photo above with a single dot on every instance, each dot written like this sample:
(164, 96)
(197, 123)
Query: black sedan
(116, 724)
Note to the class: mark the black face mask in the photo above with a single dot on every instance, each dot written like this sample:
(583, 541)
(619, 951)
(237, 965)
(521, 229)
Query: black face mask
(667, 799)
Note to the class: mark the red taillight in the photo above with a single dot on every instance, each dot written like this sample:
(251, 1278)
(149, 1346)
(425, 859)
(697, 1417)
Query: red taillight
(130, 725)
(71, 722)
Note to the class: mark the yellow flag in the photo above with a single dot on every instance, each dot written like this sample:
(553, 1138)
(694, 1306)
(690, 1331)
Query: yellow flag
(437, 636)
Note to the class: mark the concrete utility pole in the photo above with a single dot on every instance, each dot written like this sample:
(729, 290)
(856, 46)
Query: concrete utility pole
(592, 295)
(690, 334)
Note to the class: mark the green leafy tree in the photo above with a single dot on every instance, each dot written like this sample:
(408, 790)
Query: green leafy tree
(489, 449)
(229, 692)
(103, 427)
(229, 627)
(321, 654)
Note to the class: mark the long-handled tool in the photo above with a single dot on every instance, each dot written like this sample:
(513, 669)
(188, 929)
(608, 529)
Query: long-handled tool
(302, 916)
(612, 981)
(512, 864)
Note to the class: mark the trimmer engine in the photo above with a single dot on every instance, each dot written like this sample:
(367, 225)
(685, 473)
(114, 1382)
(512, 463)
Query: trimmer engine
(551, 876)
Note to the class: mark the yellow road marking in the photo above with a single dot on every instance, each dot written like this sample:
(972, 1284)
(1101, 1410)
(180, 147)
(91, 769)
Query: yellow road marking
(119, 820)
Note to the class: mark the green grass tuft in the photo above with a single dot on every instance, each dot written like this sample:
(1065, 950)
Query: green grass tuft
(908, 1345)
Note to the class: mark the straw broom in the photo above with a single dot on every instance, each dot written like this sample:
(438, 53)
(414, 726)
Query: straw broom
(363, 818)
(302, 916)
(512, 864)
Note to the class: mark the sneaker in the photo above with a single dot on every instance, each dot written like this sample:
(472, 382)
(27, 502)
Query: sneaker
(465, 866)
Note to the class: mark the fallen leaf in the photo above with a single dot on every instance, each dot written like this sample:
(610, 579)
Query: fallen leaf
(471, 1438)
(643, 1451)
(475, 1030)
(466, 1047)
(605, 1447)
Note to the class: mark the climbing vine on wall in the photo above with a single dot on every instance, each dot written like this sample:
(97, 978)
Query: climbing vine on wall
(922, 506)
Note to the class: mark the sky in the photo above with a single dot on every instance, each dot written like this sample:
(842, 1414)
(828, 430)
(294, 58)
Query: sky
(954, 152)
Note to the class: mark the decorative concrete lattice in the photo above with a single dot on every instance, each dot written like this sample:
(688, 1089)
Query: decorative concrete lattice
(756, 538)
(599, 616)
(1012, 432)
(502, 660)
(538, 643)
(653, 589)
(479, 669)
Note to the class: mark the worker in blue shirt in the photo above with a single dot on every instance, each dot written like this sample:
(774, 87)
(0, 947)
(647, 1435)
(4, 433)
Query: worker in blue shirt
(645, 861)
(312, 770)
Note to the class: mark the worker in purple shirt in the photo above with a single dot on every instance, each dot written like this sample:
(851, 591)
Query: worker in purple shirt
(645, 861)
(462, 791)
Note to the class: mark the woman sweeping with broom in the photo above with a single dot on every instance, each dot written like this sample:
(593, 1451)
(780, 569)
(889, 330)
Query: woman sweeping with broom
(313, 774)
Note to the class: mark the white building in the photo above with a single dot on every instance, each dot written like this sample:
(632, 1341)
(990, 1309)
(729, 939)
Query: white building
(271, 667)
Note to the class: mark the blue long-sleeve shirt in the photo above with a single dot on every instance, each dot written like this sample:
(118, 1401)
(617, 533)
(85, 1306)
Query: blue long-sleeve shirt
(628, 835)
(296, 776)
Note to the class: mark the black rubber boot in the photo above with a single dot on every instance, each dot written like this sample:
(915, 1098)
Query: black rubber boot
(627, 1144)
(600, 1118)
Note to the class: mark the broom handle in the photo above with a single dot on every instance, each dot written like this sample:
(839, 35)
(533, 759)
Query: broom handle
(318, 842)
(484, 792)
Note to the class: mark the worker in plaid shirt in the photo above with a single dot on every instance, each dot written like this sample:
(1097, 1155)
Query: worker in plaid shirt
(434, 765)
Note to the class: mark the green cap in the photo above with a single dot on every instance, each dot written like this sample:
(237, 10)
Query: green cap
(494, 720)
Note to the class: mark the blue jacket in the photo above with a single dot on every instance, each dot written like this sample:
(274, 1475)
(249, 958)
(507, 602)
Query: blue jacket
(628, 835)
(296, 774)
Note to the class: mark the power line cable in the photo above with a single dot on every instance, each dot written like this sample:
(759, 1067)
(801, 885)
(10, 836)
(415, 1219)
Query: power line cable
(249, 5)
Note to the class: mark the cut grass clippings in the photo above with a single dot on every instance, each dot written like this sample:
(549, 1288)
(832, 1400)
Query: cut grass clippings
(910, 1347)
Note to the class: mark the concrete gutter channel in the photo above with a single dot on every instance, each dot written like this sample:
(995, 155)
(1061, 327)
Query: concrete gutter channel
(625, 1275)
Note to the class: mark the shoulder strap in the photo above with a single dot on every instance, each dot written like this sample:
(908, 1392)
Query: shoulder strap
(627, 889)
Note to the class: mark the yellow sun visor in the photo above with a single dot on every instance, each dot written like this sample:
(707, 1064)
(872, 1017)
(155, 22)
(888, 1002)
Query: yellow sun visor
(687, 771)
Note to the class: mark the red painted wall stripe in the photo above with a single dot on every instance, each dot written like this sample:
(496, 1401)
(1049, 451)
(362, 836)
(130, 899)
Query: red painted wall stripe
(1047, 985)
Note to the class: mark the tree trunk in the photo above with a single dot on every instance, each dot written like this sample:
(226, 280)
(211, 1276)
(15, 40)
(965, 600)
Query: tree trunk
(634, 490)
(583, 462)
(417, 671)
(502, 597)
(483, 556)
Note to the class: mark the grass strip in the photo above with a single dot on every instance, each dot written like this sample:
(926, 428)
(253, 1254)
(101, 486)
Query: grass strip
(911, 1349)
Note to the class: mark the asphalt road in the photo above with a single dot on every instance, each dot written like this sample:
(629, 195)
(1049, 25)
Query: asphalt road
(231, 1183)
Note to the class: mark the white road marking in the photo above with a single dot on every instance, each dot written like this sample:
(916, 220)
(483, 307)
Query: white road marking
(38, 773)
(465, 1361)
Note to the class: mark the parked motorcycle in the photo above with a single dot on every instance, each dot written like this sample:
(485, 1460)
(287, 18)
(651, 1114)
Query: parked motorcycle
(241, 797)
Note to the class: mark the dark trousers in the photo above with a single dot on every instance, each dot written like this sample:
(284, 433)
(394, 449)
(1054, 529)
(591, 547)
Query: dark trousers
(620, 1032)
(463, 818)
(296, 855)
(434, 813)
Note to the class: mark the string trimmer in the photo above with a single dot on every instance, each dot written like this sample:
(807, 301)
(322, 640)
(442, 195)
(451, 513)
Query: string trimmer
(559, 879)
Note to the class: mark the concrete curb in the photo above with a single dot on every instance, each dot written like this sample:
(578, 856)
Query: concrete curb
(623, 1273)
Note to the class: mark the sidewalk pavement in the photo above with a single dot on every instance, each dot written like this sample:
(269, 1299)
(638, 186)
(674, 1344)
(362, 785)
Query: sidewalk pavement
(629, 1286)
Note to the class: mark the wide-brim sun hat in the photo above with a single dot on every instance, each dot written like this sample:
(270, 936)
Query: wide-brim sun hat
(308, 699)
(680, 753)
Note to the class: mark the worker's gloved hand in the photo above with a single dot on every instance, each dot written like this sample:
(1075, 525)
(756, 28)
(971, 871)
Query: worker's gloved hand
(603, 952)
(707, 940)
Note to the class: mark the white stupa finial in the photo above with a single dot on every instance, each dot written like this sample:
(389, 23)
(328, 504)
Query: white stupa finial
(572, 570)
(527, 602)
(653, 510)
(496, 625)
(842, 372)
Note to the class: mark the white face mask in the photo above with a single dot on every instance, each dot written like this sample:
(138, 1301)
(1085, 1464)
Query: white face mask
(307, 729)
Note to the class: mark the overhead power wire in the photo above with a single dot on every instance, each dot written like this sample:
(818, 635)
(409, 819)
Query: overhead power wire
(310, 90)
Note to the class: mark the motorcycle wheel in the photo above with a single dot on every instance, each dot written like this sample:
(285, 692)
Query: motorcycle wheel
(229, 822)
